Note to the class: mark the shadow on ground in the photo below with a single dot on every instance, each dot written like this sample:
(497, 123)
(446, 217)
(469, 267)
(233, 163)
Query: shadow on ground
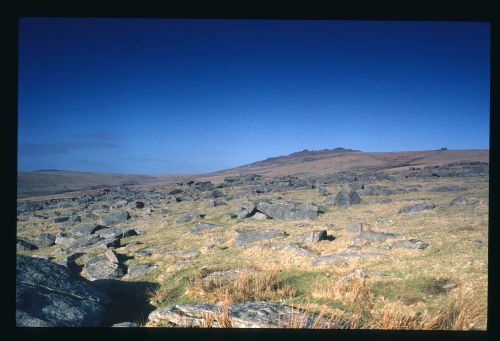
(130, 300)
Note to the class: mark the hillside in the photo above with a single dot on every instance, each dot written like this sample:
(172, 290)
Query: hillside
(328, 161)
(46, 182)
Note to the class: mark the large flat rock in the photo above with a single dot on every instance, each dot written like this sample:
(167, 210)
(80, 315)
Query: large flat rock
(248, 237)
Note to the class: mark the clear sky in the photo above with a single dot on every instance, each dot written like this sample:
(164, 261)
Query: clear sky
(186, 96)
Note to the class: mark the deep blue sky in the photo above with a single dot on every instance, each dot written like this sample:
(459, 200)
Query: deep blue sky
(184, 96)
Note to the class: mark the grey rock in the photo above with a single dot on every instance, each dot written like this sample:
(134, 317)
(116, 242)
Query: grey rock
(248, 237)
(315, 236)
(218, 277)
(241, 315)
(218, 202)
(216, 194)
(247, 210)
(288, 211)
(372, 237)
(425, 206)
(115, 218)
(141, 270)
(115, 232)
(84, 241)
(25, 244)
(61, 219)
(64, 239)
(409, 244)
(343, 258)
(101, 267)
(447, 188)
(478, 243)
(189, 216)
(126, 325)
(204, 227)
(357, 228)
(347, 197)
(293, 248)
(329, 201)
(260, 216)
(463, 200)
(86, 229)
(46, 240)
(48, 294)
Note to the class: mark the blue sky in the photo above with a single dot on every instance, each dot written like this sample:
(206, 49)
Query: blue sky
(151, 96)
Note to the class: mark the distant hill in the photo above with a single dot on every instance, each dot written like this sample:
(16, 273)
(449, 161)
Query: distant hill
(44, 182)
(328, 161)
(302, 164)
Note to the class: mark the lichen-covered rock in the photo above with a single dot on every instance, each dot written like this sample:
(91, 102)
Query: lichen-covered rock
(248, 237)
(425, 206)
(409, 244)
(288, 211)
(240, 315)
(50, 295)
(347, 197)
(189, 216)
(103, 267)
(344, 257)
(204, 227)
(315, 236)
(115, 218)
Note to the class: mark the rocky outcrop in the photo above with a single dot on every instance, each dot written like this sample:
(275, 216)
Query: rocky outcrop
(239, 315)
(50, 295)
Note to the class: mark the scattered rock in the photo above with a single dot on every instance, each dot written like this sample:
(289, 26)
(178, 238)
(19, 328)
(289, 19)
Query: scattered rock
(288, 211)
(219, 277)
(343, 258)
(115, 218)
(315, 236)
(86, 229)
(141, 270)
(241, 315)
(478, 243)
(364, 238)
(447, 188)
(301, 251)
(189, 216)
(247, 210)
(204, 227)
(25, 244)
(409, 244)
(126, 325)
(248, 237)
(102, 267)
(418, 208)
(218, 202)
(115, 232)
(46, 240)
(260, 216)
(61, 219)
(357, 228)
(50, 295)
(345, 198)
(463, 200)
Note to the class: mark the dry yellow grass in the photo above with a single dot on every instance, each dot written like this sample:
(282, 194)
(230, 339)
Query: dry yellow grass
(261, 286)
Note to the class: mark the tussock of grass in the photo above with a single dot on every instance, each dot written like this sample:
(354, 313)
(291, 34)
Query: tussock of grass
(462, 314)
(261, 286)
